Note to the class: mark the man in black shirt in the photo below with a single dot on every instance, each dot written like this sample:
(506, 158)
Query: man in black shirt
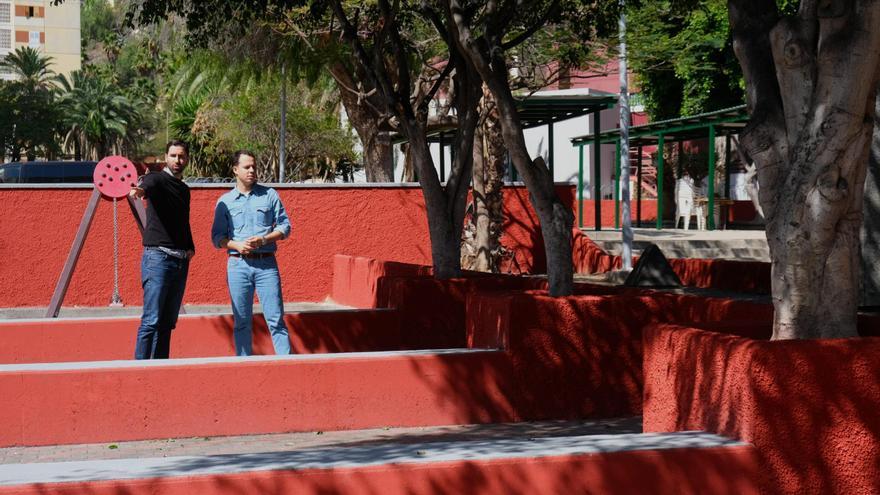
(168, 247)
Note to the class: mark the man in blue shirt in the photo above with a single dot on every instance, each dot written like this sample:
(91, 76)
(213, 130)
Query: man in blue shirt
(248, 221)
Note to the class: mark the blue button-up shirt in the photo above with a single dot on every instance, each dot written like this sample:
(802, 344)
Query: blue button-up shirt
(239, 216)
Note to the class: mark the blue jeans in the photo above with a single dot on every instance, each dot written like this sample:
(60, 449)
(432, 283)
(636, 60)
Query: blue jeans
(245, 275)
(163, 278)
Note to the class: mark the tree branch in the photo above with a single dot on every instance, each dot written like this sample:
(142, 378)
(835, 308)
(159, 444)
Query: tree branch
(533, 29)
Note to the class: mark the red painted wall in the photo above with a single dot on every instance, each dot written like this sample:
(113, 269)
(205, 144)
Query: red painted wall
(684, 471)
(590, 343)
(809, 406)
(732, 275)
(250, 397)
(69, 340)
(39, 225)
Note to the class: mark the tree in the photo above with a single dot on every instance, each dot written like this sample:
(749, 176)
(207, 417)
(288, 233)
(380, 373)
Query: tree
(33, 116)
(275, 33)
(407, 101)
(484, 32)
(811, 82)
(682, 58)
(98, 120)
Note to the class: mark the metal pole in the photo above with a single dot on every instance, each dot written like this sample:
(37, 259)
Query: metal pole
(283, 138)
(581, 186)
(711, 192)
(597, 169)
(660, 144)
(442, 161)
(618, 157)
(624, 143)
(73, 256)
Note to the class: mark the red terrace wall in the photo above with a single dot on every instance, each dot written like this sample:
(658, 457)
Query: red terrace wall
(356, 278)
(722, 471)
(432, 312)
(51, 341)
(590, 343)
(732, 275)
(809, 406)
(251, 397)
(382, 222)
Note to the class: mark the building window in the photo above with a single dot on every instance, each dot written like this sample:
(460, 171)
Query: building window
(30, 12)
(5, 39)
(6, 13)
(34, 39)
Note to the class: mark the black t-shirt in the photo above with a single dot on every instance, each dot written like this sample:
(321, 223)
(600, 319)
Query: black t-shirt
(167, 211)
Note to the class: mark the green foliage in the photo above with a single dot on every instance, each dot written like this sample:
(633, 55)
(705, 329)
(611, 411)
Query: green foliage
(683, 58)
(98, 20)
(28, 110)
(98, 120)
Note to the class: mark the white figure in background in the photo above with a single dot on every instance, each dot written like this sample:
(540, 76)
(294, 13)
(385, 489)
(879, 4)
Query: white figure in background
(684, 201)
(751, 178)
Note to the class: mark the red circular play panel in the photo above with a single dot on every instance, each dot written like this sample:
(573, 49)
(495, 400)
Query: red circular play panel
(115, 176)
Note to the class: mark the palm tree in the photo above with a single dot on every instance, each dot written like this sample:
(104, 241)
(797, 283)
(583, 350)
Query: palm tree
(34, 115)
(98, 119)
(30, 67)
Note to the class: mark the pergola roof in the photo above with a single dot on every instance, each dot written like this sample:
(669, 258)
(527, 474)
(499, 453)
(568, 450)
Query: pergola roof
(543, 108)
(726, 121)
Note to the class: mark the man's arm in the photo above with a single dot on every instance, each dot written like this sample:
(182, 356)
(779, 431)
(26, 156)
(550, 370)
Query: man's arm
(144, 183)
(282, 222)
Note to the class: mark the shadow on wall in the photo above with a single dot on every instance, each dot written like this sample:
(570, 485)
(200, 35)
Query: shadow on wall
(809, 406)
(565, 358)
(316, 332)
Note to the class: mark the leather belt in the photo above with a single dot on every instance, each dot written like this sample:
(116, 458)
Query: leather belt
(252, 255)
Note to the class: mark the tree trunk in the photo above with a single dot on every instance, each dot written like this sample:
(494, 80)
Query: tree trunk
(445, 238)
(487, 220)
(378, 160)
(487, 58)
(811, 84)
(871, 229)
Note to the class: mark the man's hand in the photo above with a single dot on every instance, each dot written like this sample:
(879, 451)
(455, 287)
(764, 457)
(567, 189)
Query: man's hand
(243, 247)
(257, 241)
(136, 192)
(190, 253)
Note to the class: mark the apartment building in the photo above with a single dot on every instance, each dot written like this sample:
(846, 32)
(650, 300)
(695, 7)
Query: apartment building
(52, 29)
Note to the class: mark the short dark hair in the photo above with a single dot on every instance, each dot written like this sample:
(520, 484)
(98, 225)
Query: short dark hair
(238, 154)
(177, 142)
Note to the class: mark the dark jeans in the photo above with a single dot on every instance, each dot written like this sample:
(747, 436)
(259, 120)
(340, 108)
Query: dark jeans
(163, 278)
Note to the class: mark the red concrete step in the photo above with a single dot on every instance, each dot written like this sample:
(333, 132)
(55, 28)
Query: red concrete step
(66, 403)
(681, 463)
(103, 339)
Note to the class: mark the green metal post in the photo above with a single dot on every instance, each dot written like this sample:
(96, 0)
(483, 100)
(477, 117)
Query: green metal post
(660, 182)
(711, 193)
(581, 186)
(597, 169)
(618, 156)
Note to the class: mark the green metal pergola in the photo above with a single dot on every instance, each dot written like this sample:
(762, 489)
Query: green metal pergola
(726, 122)
(534, 111)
